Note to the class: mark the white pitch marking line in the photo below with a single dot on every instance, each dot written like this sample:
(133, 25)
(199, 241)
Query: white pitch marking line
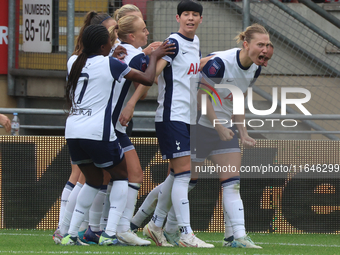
(286, 244)
(88, 252)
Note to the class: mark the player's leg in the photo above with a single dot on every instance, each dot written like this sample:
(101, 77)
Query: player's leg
(75, 172)
(153, 229)
(147, 207)
(118, 198)
(180, 203)
(171, 230)
(135, 176)
(72, 200)
(93, 232)
(232, 202)
(94, 179)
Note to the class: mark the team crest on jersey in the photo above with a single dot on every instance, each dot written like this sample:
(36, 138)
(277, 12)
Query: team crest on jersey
(144, 65)
(213, 69)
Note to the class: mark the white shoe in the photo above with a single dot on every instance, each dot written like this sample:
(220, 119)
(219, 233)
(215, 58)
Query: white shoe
(172, 238)
(244, 242)
(190, 240)
(156, 235)
(131, 238)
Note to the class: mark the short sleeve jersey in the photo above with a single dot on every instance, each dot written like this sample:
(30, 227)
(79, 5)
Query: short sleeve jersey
(225, 68)
(94, 98)
(136, 59)
(174, 90)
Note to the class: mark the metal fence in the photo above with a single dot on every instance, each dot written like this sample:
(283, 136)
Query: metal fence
(306, 52)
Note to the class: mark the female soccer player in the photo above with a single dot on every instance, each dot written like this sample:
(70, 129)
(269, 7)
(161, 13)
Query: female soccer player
(130, 9)
(173, 125)
(89, 131)
(135, 173)
(240, 68)
(77, 179)
(171, 231)
(133, 35)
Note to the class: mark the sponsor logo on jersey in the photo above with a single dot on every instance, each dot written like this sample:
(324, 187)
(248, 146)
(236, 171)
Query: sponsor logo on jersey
(81, 111)
(144, 65)
(213, 68)
(194, 68)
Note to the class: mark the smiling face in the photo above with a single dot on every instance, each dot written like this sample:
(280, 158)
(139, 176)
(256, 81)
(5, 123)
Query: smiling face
(188, 23)
(257, 48)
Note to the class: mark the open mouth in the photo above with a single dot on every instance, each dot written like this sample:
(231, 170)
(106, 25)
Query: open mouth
(261, 58)
(190, 25)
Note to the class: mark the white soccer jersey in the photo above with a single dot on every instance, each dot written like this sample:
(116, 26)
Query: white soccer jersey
(94, 98)
(174, 92)
(118, 42)
(136, 59)
(225, 68)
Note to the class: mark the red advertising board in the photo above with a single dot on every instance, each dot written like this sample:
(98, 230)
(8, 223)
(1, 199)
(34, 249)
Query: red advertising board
(3, 36)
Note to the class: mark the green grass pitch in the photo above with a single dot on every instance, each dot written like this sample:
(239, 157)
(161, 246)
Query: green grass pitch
(40, 242)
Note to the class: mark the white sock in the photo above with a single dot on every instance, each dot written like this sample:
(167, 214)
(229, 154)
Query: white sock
(118, 197)
(85, 223)
(96, 209)
(124, 223)
(228, 230)
(72, 199)
(164, 201)
(84, 202)
(147, 207)
(180, 201)
(171, 225)
(106, 208)
(233, 206)
(64, 200)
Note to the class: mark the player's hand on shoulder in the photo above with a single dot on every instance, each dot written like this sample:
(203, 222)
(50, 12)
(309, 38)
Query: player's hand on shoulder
(164, 49)
(119, 52)
(151, 47)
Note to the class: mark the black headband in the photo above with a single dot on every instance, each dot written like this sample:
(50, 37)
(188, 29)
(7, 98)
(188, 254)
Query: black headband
(189, 5)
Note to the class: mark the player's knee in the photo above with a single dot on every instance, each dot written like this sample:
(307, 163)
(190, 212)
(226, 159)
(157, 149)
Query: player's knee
(136, 177)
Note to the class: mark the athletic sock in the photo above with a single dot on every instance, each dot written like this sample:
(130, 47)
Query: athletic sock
(164, 201)
(118, 197)
(147, 207)
(84, 202)
(180, 201)
(106, 207)
(85, 223)
(96, 209)
(64, 200)
(72, 199)
(171, 225)
(233, 206)
(124, 223)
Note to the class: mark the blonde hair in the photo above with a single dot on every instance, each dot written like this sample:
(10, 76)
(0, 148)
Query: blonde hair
(113, 35)
(248, 34)
(122, 11)
(126, 25)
